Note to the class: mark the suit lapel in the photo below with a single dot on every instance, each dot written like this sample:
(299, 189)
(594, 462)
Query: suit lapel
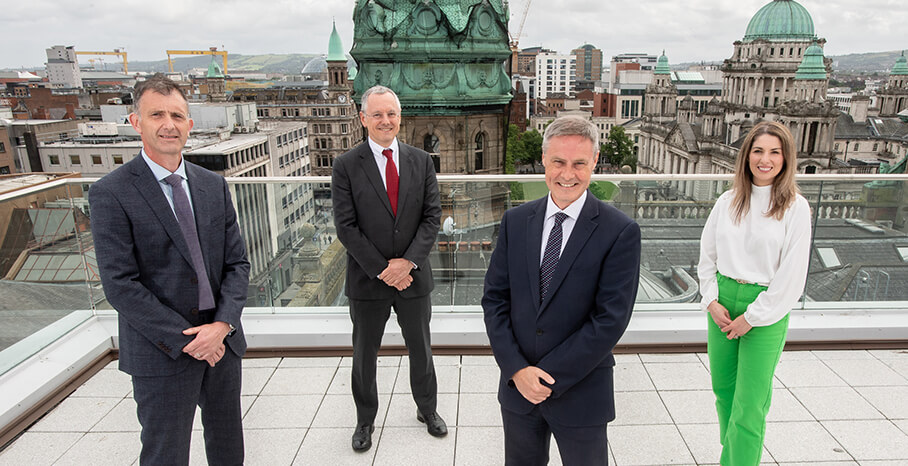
(406, 173)
(583, 228)
(150, 190)
(370, 168)
(534, 245)
(201, 210)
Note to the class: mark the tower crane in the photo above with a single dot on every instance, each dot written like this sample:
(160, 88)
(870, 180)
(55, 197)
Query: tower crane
(210, 51)
(120, 52)
(515, 38)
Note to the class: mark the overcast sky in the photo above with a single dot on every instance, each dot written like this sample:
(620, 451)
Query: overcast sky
(690, 30)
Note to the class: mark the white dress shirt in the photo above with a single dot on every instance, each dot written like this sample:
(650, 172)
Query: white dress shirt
(160, 173)
(567, 226)
(759, 249)
(382, 161)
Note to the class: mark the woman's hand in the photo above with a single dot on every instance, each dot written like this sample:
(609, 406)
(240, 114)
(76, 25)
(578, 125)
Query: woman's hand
(737, 327)
(719, 314)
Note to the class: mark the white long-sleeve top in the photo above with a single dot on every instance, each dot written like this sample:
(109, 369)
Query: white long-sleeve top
(759, 249)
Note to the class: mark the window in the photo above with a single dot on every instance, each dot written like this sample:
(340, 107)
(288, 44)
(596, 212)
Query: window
(2, 147)
(54, 160)
(828, 257)
(74, 159)
(836, 148)
(479, 151)
(95, 159)
(857, 147)
(875, 146)
(430, 144)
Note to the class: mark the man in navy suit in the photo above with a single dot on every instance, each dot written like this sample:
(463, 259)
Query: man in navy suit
(387, 212)
(174, 267)
(558, 296)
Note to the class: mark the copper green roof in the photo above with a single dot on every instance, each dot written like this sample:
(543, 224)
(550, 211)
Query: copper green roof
(214, 71)
(662, 65)
(335, 47)
(812, 66)
(901, 66)
(351, 73)
(781, 20)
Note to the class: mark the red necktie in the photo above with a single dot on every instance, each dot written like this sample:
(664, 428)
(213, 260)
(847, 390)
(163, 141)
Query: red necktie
(391, 179)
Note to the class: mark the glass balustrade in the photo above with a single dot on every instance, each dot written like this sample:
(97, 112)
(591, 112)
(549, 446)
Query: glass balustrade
(50, 280)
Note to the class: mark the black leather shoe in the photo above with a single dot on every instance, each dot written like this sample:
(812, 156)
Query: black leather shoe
(435, 425)
(362, 437)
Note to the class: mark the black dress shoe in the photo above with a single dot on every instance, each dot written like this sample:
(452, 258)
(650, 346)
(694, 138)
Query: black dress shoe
(362, 437)
(434, 424)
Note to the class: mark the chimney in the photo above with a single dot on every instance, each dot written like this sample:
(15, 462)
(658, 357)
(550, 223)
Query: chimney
(860, 104)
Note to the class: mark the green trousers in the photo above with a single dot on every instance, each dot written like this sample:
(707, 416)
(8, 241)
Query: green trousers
(741, 371)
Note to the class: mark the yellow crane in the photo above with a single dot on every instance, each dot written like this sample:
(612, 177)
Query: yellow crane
(120, 52)
(210, 51)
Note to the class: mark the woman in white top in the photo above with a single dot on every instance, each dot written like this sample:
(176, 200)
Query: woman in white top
(754, 253)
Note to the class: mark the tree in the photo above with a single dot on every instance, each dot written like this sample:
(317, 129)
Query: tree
(513, 151)
(618, 149)
(532, 145)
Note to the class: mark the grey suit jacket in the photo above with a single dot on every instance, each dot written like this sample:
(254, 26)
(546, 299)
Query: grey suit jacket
(369, 230)
(146, 268)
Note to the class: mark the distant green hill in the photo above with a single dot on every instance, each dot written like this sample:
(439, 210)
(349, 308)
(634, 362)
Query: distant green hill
(270, 63)
(865, 62)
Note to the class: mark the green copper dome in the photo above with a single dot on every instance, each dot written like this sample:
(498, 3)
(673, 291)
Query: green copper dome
(335, 47)
(901, 66)
(662, 65)
(214, 71)
(351, 73)
(812, 66)
(781, 20)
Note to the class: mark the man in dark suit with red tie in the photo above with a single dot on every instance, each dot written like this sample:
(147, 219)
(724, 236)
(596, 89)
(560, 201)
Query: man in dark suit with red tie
(558, 296)
(387, 212)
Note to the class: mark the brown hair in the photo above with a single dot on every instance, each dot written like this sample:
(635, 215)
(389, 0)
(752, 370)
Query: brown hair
(160, 84)
(784, 186)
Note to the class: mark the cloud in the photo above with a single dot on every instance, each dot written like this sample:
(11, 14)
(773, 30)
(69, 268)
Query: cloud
(693, 30)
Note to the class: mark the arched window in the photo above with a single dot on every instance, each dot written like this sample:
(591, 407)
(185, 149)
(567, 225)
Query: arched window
(479, 152)
(431, 144)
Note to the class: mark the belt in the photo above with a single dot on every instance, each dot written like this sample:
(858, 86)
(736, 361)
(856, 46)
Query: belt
(745, 282)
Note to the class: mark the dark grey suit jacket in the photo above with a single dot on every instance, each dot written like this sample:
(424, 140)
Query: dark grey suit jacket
(369, 230)
(146, 268)
(570, 334)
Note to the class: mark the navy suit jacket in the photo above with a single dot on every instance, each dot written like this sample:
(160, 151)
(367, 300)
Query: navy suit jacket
(571, 334)
(146, 268)
(371, 232)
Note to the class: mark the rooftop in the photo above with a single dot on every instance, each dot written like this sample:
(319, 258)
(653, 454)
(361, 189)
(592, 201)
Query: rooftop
(829, 407)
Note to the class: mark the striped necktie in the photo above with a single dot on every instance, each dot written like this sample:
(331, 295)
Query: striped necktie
(551, 255)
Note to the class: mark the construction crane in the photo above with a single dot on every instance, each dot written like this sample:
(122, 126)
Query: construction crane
(515, 38)
(210, 51)
(120, 52)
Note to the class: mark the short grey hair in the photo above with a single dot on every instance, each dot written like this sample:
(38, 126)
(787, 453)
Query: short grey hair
(571, 126)
(378, 89)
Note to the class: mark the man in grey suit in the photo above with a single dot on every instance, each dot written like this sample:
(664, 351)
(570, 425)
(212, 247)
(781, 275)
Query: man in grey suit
(174, 267)
(387, 211)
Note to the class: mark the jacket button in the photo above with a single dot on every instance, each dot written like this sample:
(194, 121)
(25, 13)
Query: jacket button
(539, 331)
(194, 281)
(194, 311)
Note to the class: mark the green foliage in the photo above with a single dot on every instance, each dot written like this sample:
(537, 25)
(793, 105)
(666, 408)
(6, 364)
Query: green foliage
(618, 149)
(512, 152)
(532, 145)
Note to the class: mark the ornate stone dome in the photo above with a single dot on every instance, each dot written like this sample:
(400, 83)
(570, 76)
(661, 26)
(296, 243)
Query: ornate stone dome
(781, 20)
(901, 66)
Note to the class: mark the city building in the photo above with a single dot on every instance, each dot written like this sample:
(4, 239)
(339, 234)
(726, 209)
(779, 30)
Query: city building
(777, 72)
(555, 74)
(326, 106)
(63, 67)
(588, 60)
(448, 70)
(894, 97)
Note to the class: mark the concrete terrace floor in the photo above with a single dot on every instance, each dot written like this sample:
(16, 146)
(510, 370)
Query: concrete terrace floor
(829, 407)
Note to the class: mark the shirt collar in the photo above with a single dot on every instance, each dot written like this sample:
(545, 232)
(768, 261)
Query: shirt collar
(572, 211)
(377, 148)
(160, 172)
